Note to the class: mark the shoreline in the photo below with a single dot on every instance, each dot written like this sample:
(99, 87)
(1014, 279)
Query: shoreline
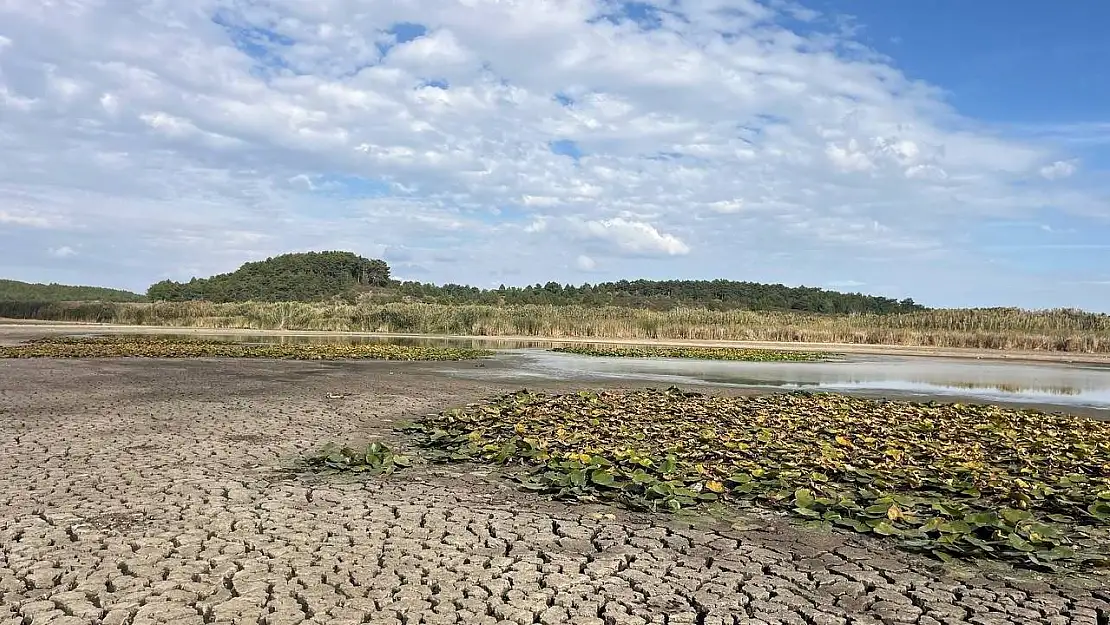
(13, 329)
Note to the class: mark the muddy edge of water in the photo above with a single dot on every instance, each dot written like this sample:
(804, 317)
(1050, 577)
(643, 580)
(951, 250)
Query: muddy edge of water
(14, 334)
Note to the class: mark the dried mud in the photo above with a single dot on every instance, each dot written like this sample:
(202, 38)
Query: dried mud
(149, 491)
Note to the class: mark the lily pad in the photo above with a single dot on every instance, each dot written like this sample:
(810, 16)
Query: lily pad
(964, 480)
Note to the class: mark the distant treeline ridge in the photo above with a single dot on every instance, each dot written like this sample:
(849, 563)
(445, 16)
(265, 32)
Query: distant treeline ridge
(319, 276)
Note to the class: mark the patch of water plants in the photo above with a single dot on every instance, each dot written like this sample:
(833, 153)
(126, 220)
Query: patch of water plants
(175, 347)
(700, 353)
(375, 458)
(951, 480)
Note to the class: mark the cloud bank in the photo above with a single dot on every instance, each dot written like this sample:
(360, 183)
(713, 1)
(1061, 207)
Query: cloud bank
(484, 141)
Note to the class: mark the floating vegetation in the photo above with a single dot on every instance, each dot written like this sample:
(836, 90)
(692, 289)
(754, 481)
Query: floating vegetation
(951, 480)
(375, 459)
(172, 347)
(700, 353)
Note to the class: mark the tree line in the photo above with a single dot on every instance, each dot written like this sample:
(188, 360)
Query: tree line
(315, 276)
(667, 294)
(307, 276)
(16, 291)
(345, 276)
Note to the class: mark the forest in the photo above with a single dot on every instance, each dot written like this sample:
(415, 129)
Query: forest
(346, 277)
(666, 295)
(318, 276)
(15, 291)
(301, 277)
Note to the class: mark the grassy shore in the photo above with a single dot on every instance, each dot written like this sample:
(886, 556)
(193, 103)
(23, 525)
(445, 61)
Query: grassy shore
(993, 329)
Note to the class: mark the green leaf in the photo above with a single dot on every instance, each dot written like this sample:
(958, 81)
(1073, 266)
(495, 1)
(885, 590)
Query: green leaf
(982, 544)
(806, 512)
(954, 527)
(602, 477)
(982, 519)
(670, 464)
(1013, 517)
(884, 528)
(740, 478)
(877, 510)
(1100, 511)
(1019, 543)
(803, 498)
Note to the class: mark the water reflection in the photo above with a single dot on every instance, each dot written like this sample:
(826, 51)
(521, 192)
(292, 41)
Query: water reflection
(1034, 383)
(349, 339)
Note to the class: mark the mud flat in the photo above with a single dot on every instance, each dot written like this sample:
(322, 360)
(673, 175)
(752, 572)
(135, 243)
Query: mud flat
(148, 491)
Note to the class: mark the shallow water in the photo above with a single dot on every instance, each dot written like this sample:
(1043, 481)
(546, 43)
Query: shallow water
(1050, 384)
(1026, 383)
(347, 339)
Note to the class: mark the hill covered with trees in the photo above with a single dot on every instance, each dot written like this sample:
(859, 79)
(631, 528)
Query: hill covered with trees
(315, 276)
(308, 276)
(16, 291)
(667, 294)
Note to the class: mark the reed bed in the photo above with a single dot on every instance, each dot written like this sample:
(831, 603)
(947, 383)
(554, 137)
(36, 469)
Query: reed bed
(1062, 330)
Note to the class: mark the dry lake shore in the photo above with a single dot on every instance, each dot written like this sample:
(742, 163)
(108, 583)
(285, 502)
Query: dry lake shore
(149, 491)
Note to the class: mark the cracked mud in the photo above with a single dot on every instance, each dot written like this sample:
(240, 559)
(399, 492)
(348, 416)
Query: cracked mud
(145, 491)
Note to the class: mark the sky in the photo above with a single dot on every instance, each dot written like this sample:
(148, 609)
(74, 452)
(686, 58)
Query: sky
(956, 153)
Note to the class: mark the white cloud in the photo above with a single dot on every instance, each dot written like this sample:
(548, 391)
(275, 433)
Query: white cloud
(538, 224)
(1059, 169)
(64, 251)
(848, 158)
(585, 263)
(632, 237)
(720, 135)
(28, 219)
(926, 172)
(727, 206)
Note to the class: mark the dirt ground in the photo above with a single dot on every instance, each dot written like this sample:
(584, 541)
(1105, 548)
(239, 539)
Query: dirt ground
(148, 491)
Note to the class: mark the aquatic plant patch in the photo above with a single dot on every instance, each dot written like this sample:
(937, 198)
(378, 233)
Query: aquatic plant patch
(375, 458)
(952, 480)
(172, 347)
(700, 353)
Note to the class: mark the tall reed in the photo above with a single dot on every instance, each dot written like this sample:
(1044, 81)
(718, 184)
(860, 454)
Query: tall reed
(995, 328)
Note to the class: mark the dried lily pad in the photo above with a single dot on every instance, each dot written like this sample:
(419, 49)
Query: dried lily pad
(950, 480)
(172, 347)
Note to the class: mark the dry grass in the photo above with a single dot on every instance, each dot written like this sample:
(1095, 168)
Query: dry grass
(1003, 329)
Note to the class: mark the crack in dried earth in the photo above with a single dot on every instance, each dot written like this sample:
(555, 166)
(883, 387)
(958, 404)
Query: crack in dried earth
(144, 491)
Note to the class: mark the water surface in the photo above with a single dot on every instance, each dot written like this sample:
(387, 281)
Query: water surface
(942, 378)
(1033, 383)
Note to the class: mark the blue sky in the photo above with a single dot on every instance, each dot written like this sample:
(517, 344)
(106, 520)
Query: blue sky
(956, 153)
(1023, 62)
